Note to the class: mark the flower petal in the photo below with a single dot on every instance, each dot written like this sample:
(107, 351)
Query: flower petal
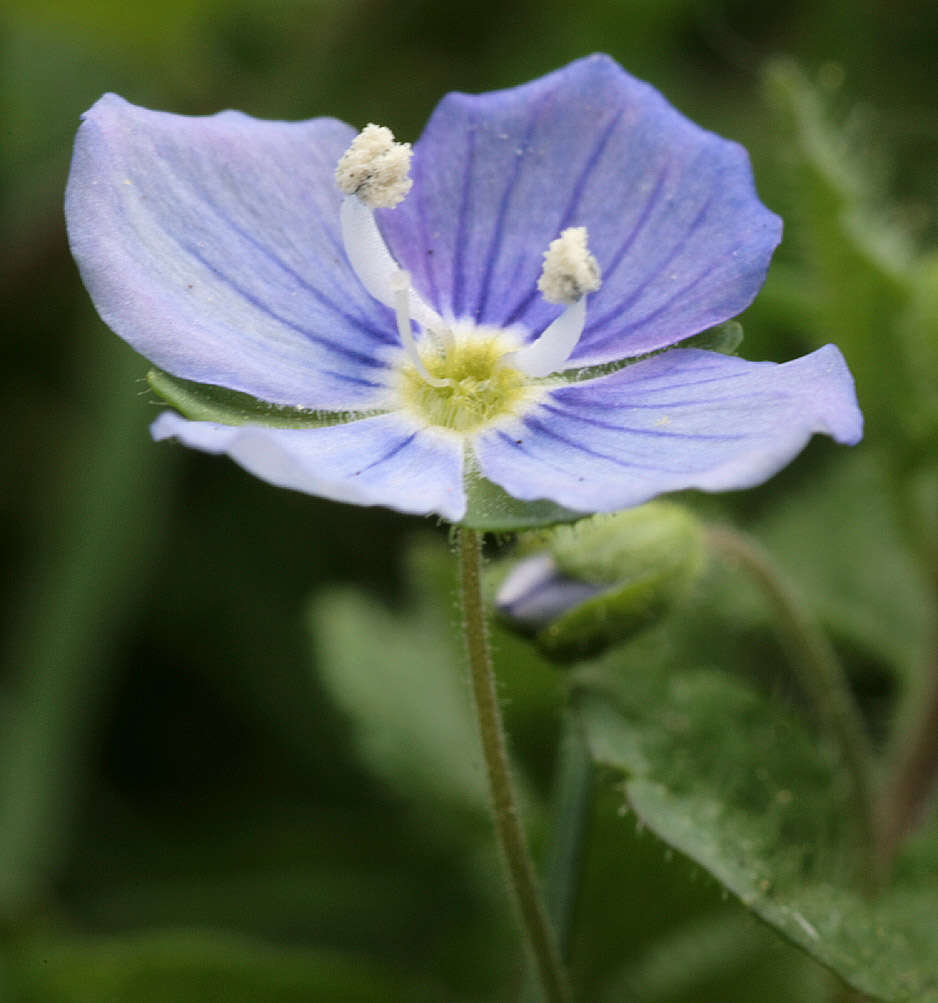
(673, 218)
(212, 245)
(682, 419)
(373, 461)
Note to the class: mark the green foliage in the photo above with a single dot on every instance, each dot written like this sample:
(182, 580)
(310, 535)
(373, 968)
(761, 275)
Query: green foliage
(399, 678)
(868, 291)
(847, 545)
(734, 781)
(191, 966)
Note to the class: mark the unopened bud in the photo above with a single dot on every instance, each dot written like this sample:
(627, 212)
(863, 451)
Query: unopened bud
(535, 593)
(600, 581)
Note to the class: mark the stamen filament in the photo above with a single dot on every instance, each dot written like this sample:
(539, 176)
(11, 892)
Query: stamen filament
(552, 349)
(375, 267)
(570, 272)
(400, 284)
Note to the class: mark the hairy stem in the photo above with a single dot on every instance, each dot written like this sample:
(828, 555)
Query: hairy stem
(819, 672)
(511, 839)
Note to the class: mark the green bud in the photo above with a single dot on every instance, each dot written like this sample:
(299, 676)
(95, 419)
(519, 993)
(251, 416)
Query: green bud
(601, 580)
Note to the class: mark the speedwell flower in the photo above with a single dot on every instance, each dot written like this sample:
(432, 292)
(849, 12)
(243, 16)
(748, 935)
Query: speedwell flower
(423, 326)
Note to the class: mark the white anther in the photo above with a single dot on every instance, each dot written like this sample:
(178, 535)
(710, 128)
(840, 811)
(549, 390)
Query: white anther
(570, 271)
(375, 169)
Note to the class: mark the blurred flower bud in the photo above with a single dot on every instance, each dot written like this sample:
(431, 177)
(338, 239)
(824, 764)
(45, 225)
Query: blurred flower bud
(599, 581)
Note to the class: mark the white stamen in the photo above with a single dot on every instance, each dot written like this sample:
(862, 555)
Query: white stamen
(375, 169)
(372, 261)
(400, 283)
(373, 174)
(552, 349)
(570, 272)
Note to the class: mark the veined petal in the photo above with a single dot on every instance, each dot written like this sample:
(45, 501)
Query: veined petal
(383, 460)
(682, 419)
(673, 218)
(212, 245)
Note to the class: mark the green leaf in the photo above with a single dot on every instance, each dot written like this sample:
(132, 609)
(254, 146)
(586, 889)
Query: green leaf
(204, 402)
(398, 676)
(918, 327)
(191, 966)
(727, 948)
(735, 782)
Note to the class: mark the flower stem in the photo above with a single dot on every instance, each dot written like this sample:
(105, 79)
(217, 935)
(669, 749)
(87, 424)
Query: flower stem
(534, 921)
(819, 669)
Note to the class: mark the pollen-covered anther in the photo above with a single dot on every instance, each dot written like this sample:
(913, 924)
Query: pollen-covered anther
(570, 271)
(375, 168)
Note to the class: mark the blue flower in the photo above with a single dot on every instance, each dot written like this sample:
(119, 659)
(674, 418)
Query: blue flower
(463, 318)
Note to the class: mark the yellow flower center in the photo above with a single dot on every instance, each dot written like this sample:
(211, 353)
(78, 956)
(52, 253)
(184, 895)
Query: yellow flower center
(475, 389)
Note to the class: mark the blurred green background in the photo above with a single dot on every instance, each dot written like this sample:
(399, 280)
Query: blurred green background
(186, 808)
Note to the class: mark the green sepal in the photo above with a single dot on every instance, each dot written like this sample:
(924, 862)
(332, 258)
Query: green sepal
(490, 509)
(724, 338)
(205, 402)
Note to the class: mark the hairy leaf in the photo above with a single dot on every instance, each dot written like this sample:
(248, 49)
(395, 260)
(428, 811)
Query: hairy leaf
(734, 781)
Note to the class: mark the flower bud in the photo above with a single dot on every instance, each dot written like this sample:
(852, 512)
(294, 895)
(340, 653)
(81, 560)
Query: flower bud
(598, 582)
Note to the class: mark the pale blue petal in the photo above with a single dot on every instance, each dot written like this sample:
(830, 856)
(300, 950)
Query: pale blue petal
(682, 419)
(381, 460)
(212, 245)
(672, 213)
